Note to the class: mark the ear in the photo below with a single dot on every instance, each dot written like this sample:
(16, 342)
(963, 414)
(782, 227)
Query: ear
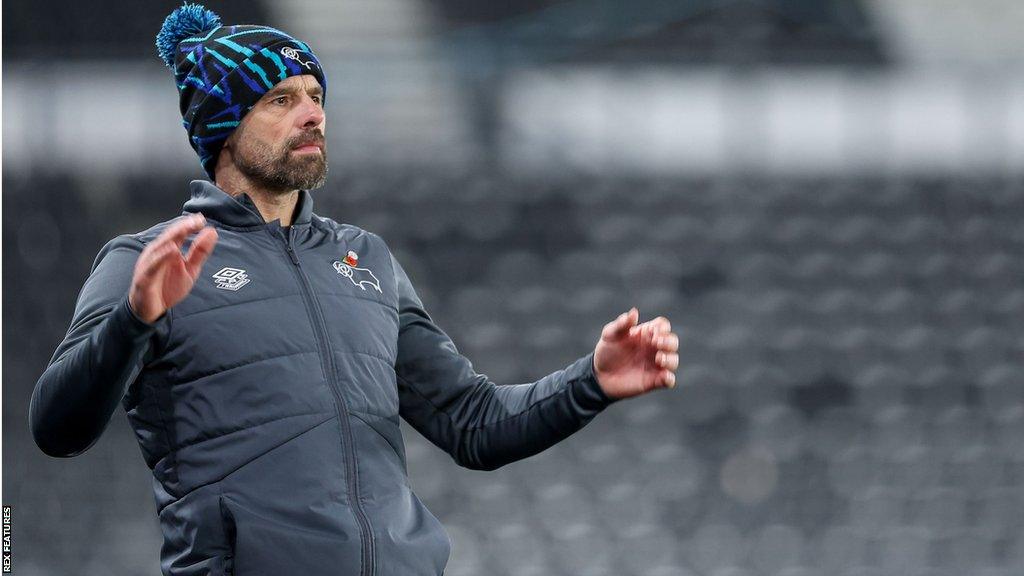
(230, 141)
(224, 160)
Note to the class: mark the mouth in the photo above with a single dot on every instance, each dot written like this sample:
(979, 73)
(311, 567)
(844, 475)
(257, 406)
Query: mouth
(307, 149)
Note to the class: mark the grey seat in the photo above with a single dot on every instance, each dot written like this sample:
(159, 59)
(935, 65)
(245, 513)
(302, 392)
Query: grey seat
(905, 549)
(717, 547)
(643, 548)
(839, 547)
(778, 548)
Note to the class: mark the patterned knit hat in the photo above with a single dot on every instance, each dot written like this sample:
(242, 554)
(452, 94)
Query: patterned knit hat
(222, 71)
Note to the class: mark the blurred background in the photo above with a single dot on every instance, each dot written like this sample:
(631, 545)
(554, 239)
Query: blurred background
(825, 197)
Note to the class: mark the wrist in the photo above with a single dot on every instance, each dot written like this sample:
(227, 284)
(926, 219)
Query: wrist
(591, 384)
(142, 316)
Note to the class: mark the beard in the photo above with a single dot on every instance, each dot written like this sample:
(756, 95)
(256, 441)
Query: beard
(278, 169)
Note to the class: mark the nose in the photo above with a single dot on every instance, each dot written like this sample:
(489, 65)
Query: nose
(312, 113)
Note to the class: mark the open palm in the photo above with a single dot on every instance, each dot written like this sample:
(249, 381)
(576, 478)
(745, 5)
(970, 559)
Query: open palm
(163, 277)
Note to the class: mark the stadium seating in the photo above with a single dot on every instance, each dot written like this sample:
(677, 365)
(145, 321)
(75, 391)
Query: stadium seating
(849, 402)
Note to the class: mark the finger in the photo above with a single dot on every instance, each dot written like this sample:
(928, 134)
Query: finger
(644, 331)
(667, 360)
(634, 327)
(668, 342)
(661, 324)
(200, 250)
(618, 327)
(667, 379)
(157, 258)
(177, 232)
(650, 333)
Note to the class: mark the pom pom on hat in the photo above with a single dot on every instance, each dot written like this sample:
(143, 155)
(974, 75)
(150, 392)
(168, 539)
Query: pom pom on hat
(188, 20)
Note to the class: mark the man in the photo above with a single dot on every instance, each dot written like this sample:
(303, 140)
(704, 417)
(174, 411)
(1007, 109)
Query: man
(264, 366)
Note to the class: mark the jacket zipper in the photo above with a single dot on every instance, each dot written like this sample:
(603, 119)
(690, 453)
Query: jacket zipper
(327, 363)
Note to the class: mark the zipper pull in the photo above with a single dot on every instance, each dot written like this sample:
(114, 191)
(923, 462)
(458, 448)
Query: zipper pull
(288, 245)
(291, 254)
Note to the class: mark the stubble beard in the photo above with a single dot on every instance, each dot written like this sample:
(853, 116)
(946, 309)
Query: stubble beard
(281, 170)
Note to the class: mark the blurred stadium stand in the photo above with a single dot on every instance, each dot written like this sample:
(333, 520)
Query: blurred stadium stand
(704, 32)
(110, 32)
(824, 197)
(850, 396)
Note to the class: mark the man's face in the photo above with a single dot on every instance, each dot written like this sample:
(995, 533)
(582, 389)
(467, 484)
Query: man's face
(280, 143)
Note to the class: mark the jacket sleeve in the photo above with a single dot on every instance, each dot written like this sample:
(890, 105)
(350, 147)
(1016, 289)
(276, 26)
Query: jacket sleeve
(482, 425)
(98, 359)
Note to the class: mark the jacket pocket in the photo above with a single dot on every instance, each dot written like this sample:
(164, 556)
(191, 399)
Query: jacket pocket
(390, 432)
(197, 540)
(228, 524)
(266, 542)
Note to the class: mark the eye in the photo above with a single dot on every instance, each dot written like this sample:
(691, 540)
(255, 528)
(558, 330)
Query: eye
(317, 100)
(280, 100)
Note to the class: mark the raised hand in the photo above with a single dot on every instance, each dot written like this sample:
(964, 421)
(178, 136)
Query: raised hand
(633, 359)
(162, 275)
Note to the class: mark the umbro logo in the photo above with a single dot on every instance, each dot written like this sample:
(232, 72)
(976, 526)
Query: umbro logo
(230, 279)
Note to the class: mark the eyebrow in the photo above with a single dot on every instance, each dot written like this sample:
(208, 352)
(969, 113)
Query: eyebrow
(315, 90)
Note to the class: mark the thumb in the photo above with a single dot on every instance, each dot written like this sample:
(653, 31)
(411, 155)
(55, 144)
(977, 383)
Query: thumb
(620, 326)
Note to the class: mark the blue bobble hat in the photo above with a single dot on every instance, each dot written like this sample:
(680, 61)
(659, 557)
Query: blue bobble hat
(222, 71)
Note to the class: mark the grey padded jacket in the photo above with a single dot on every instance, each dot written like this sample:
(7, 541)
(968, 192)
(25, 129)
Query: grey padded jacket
(266, 402)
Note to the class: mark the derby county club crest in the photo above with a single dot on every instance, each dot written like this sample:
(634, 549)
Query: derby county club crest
(359, 276)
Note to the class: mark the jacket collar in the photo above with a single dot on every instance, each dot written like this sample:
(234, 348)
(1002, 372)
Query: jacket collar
(240, 210)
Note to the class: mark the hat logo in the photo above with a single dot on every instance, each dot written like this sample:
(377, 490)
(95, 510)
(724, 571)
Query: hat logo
(293, 54)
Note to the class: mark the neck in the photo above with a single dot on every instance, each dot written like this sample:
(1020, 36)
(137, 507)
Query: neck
(272, 204)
